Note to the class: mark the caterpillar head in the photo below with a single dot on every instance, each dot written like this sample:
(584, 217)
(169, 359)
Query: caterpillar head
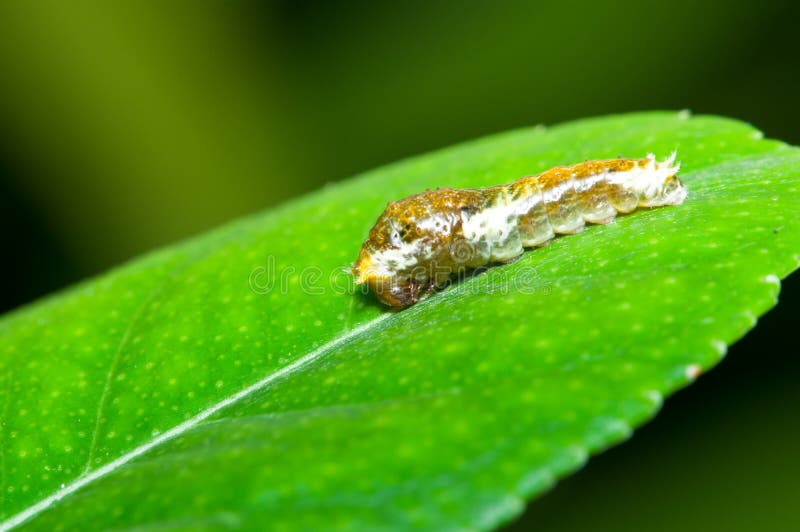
(384, 260)
(398, 260)
(392, 288)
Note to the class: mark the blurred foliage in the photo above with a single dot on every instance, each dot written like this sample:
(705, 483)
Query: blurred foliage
(128, 125)
(132, 124)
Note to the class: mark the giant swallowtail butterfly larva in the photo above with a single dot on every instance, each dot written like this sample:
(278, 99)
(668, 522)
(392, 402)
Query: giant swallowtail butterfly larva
(420, 241)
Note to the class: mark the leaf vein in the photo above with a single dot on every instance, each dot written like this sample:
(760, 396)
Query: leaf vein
(112, 370)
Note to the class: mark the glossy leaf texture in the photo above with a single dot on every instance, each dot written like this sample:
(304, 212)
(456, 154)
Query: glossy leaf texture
(236, 380)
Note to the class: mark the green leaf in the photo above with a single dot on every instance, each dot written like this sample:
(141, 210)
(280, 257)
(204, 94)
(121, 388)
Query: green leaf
(182, 390)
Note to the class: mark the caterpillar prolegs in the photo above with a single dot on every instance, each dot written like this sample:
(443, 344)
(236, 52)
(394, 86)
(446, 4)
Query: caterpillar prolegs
(420, 241)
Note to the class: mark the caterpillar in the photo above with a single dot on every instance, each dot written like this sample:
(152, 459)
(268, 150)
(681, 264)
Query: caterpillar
(420, 241)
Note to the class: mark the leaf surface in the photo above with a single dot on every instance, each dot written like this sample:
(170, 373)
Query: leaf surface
(235, 379)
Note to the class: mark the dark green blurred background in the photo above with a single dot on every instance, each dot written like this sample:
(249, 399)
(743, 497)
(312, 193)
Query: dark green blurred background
(129, 125)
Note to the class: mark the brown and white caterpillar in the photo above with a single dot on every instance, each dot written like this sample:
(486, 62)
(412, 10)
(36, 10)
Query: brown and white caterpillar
(420, 241)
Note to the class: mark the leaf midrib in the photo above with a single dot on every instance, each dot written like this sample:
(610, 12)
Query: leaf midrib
(191, 423)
